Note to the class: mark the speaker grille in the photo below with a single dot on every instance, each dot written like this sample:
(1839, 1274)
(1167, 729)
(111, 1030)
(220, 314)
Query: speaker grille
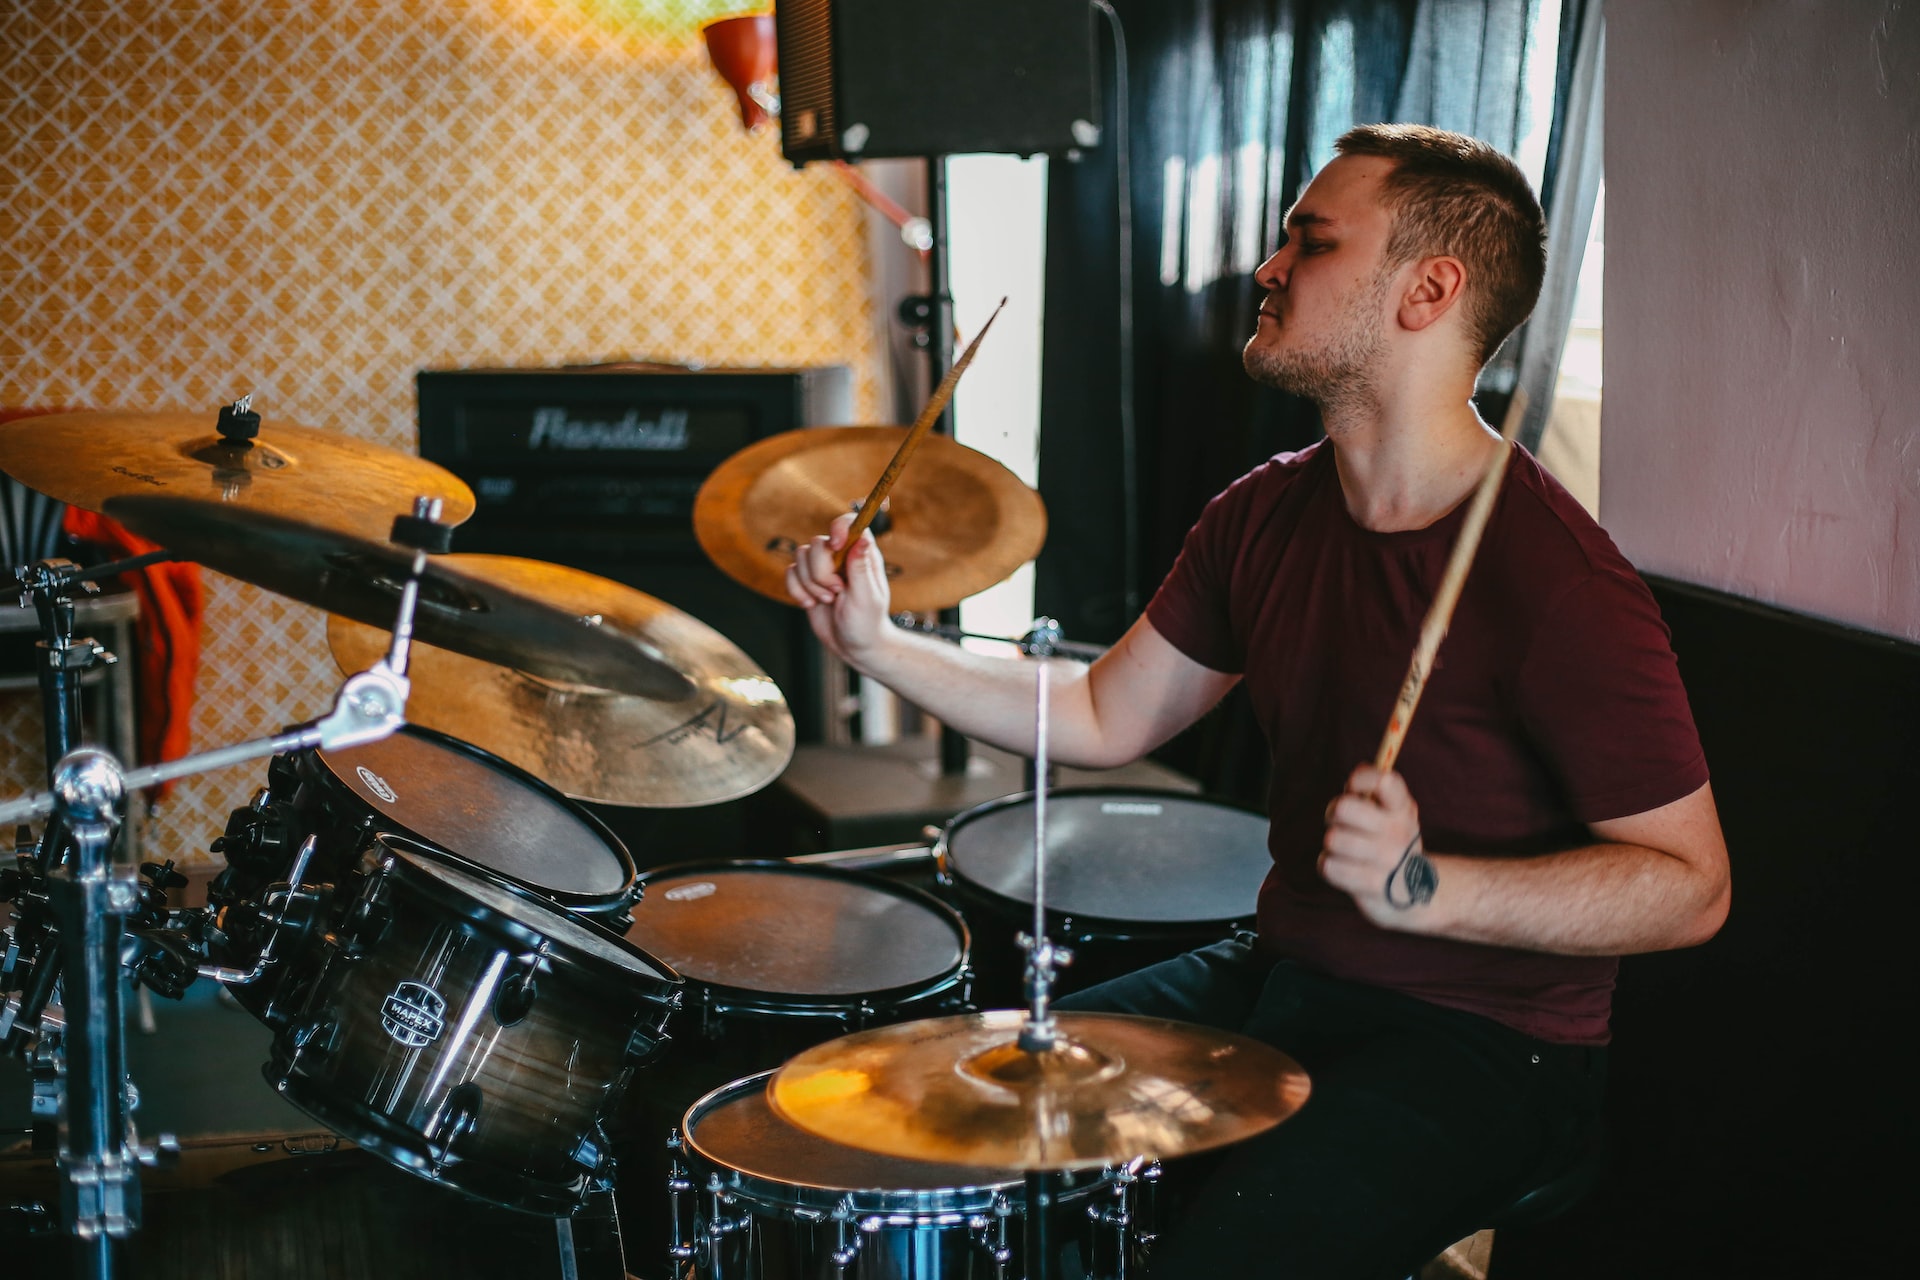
(808, 127)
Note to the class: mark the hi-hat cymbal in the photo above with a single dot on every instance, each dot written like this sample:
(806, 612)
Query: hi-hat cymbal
(320, 477)
(362, 579)
(956, 523)
(963, 1090)
(729, 737)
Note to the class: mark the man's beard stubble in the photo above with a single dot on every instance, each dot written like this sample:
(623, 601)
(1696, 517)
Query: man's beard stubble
(1339, 371)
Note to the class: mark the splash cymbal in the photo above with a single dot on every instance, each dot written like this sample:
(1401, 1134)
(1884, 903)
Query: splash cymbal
(956, 523)
(320, 477)
(963, 1090)
(729, 737)
(341, 573)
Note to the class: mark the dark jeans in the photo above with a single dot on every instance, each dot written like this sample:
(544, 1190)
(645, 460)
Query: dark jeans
(1421, 1124)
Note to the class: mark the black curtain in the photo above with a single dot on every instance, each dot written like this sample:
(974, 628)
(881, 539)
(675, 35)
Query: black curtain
(1232, 106)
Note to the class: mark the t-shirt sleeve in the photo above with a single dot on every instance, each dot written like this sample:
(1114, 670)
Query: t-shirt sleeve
(1600, 692)
(1192, 607)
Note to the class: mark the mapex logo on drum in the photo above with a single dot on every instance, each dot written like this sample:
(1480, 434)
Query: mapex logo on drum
(1136, 809)
(414, 1015)
(689, 892)
(376, 784)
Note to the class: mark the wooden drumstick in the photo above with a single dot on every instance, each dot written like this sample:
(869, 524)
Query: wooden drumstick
(1440, 612)
(921, 425)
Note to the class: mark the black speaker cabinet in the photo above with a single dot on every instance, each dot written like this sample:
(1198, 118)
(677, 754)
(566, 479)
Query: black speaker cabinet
(877, 78)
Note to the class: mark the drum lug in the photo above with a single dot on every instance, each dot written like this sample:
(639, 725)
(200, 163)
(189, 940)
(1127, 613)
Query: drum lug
(314, 1036)
(459, 1114)
(646, 1044)
(719, 1224)
(518, 990)
(593, 1152)
(846, 1238)
(990, 1236)
(679, 1239)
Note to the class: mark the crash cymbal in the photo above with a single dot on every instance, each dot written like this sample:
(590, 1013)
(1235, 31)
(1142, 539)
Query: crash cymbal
(319, 477)
(361, 579)
(962, 1090)
(957, 522)
(729, 737)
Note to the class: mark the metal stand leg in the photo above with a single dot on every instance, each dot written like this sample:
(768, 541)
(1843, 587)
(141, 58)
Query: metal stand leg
(1039, 1233)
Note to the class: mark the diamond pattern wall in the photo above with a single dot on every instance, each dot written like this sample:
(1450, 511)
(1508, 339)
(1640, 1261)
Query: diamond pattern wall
(312, 201)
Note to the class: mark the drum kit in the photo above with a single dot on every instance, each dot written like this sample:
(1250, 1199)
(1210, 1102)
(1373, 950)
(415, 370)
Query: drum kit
(779, 1068)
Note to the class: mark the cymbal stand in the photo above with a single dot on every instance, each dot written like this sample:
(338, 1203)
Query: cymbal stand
(65, 657)
(90, 897)
(1039, 1034)
(33, 954)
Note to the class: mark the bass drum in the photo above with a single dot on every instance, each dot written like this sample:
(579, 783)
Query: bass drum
(464, 805)
(777, 957)
(471, 1032)
(1132, 877)
(753, 1197)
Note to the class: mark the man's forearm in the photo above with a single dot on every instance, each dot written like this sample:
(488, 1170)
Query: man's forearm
(1601, 899)
(990, 699)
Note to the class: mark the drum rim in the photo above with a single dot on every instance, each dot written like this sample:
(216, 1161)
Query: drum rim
(614, 900)
(402, 1148)
(758, 1000)
(1115, 928)
(406, 848)
(926, 1202)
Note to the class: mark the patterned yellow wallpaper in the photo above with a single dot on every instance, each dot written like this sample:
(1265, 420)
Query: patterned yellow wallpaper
(312, 201)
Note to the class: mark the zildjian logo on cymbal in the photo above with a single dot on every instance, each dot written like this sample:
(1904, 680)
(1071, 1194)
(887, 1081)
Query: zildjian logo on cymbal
(713, 716)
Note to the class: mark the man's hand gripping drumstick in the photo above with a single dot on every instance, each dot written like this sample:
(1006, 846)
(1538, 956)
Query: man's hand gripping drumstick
(1373, 848)
(849, 533)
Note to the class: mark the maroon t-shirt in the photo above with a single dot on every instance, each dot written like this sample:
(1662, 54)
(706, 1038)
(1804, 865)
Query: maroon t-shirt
(1555, 702)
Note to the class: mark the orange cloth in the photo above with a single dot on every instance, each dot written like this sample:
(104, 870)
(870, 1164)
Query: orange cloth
(167, 635)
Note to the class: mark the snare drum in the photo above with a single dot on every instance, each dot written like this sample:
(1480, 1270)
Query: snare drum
(470, 1031)
(1133, 877)
(753, 1197)
(777, 957)
(767, 946)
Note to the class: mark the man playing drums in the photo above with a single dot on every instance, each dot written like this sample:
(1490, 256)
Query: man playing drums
(1437, 944)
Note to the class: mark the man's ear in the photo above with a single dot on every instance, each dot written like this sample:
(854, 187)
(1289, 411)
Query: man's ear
(1433, 290)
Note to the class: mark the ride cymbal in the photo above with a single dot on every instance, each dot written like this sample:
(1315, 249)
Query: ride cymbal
(362, 579)
(320, 477)
(731, 735)
(956, 523)
(1114, 1086)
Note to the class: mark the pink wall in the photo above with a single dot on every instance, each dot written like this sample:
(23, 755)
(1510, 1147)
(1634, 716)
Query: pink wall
(1762, 405)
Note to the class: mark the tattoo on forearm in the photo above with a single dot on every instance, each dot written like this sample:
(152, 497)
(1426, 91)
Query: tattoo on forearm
(1414, 877)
